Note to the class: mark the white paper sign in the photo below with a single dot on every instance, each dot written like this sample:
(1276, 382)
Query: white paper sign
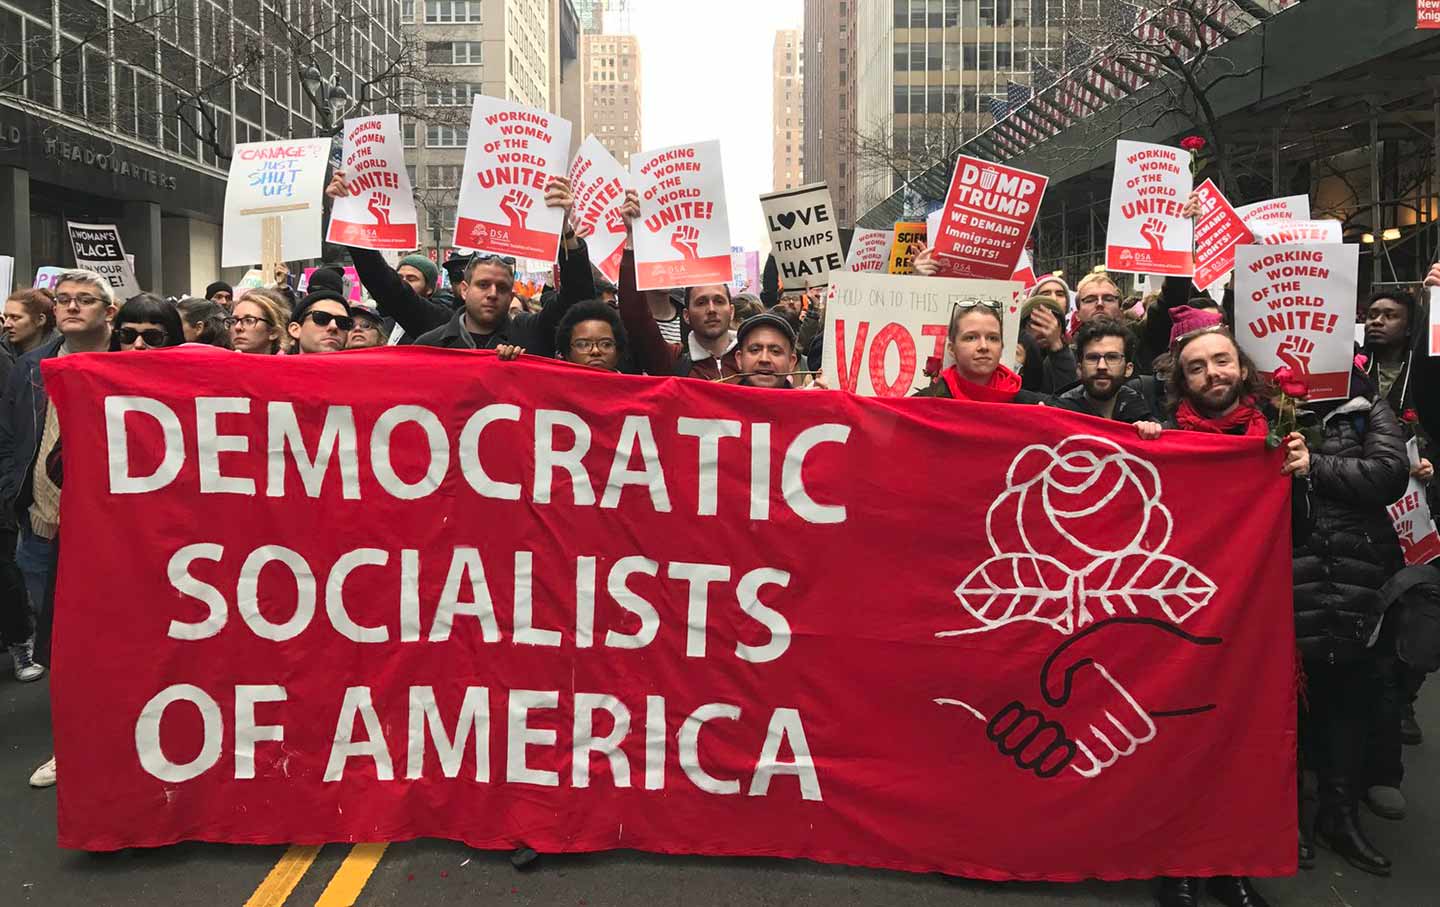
(1291, 207)
(598, 182)
(46, 277)
(683, 236)
(284, 179)
(882, 329)
(379, 212)
(1147, 233)
(7, 273)
(1414, 523)
(869, 250)
(512, 152)
(97, 248)
(804, 237)
(1296, 232)
(1294, 306)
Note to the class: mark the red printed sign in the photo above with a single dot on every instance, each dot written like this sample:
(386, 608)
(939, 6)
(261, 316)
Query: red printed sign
(1218, 231)
(598, 183)
(567, 608)
(683, 236)
(1427, 13)
(989, 213)
(511, 154)
(1147, 233)
(869, 250)
(379, 212)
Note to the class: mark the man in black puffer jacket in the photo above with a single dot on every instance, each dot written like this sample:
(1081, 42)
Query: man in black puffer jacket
(1347, 555)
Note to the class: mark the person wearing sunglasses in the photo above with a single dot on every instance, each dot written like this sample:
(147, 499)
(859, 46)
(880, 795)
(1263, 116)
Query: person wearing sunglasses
(975, 342)
(146, 322)
(321, 323)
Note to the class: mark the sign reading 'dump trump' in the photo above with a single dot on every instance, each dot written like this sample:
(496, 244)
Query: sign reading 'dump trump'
(568, 610)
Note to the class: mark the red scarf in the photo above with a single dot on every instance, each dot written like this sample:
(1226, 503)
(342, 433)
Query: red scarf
(1001, 388)
(1246, 416)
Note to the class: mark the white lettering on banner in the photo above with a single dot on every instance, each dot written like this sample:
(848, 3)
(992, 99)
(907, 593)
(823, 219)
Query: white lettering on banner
(284, 431)
(584, 742)
(147, 734)
(358, 704)
(474, 719)
(520, 736)
(247, 732)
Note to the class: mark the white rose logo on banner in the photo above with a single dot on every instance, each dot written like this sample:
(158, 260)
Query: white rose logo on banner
(1077, 542)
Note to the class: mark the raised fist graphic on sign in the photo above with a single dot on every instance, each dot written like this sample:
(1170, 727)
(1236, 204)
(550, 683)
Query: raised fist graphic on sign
(516, 205)
(686, 239)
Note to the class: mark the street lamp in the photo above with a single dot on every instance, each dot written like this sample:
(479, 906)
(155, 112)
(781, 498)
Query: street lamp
(336, 104)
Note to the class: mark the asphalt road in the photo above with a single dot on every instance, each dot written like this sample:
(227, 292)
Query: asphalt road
(34, 871)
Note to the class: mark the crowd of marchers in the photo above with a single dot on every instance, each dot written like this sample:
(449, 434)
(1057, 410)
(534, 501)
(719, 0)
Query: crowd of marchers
(1164, 362)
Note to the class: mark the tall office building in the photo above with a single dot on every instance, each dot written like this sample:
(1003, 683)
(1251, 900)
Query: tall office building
(611, 65)
(927, 71)
(127, 113)
(788, 111)
(828, 58)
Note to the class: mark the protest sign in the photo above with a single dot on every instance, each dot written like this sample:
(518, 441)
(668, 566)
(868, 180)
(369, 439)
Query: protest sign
(1434, 308)
(379, 212)
(350, 278)
(1414, 523)
(511, 153)
(881, 330)
(598, 183)
(987, 219)
(7, 273)
(1217, 232)
(1025, 271)
(253, 279)
(644, 658)
(1147, 233)
(1427, 13)
(905, 242)
(683, 236)
(1294, 306)
(273, 202)
(97, 248)
(45, 277)
(1297, 232)
(752, 270)
(869, 250)
(1291, 207)
(803, 235)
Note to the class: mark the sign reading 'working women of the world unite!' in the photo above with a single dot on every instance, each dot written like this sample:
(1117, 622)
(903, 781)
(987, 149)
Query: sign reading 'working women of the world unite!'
(1295, 307)
(682, 238)
(642, 658)
(512, 153)
(379, 211)
(1147, 233)
(598, 183)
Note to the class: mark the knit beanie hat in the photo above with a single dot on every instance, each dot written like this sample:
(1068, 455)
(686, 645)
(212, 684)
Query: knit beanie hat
(1056, 307)
(1185, 320)
(425, 266)
(218, 286)
(327, 278)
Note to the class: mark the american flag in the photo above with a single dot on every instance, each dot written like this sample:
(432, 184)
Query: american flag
(1041, 76)
(999, 109)
(1016, 94)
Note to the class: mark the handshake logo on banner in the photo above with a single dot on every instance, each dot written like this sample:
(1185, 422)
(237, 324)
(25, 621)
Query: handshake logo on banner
(1058, 561)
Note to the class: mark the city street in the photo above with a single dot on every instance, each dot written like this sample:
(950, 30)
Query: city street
(422, 873)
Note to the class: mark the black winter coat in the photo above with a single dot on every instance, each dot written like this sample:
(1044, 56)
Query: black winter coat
(1130, 405)
(1350, 549)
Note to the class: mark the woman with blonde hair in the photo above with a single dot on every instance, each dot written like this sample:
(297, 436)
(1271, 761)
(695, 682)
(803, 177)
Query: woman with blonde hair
(257, 323)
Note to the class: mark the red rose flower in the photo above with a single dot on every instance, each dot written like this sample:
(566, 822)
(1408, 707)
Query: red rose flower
(1361, 360)
(933, 366)
(1192, 143)
(1410, 417)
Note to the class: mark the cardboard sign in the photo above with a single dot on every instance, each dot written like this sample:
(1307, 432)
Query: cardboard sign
(1294, 306)
(683, 236)
(803, 235)
(379, 212)
(1147, 233)
(1291, 207)
(880, 330)
(1297, 232)
(869, 250)
(1414, 523)
(905, 242)
(1427, 13)
(598, 183)
(1217, 232)
(97, 248)
(988, 215)
(273, 201)
(512, 152)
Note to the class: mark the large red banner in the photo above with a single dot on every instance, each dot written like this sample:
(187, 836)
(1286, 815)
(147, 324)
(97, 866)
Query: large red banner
(303, 601)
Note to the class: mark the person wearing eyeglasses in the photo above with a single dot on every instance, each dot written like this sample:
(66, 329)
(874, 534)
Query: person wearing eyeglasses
(1106, 348)
(591, 334)
(975, 340)
(257, 324)
(369, 330)
(146, 322)
(321, 323)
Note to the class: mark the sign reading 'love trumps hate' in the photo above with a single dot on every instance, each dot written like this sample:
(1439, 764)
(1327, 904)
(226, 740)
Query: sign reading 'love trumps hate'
(803, 235)
(641, 657)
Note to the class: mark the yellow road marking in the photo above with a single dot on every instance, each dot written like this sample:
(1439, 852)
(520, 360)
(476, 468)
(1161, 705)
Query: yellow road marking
(283, 878)
(349, 880)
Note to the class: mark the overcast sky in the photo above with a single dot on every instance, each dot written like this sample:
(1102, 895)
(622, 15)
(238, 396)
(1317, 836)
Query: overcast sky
(706, 74)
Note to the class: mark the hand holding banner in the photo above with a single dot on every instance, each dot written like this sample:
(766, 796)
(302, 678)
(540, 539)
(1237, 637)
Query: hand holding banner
(869, 250)
(1147, 232)
(512, 153)
(272, 202)
(988, 216)
(683, 236)
(803, 235)
(379, 212)
(1293, 307)
(598, 183)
